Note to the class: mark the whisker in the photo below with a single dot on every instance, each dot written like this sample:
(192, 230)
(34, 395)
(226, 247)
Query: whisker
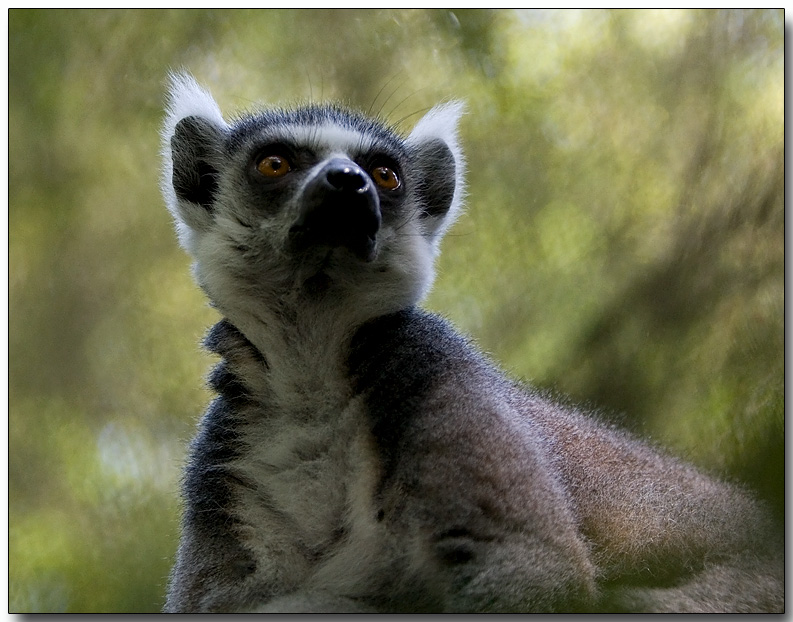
(408, 218)
(393, 110)
(407, 116)
(387, 99)
(310, 86)
(389, 81)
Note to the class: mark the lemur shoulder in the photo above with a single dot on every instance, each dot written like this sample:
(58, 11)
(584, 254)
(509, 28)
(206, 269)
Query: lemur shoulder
(362, 455)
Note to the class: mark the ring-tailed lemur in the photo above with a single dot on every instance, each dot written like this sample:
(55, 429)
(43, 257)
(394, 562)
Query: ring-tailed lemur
(360, 454)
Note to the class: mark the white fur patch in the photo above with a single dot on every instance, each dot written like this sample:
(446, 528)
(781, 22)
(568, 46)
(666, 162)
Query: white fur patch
(331, 138)
(187, 98)
(440, 122)
(321, 478)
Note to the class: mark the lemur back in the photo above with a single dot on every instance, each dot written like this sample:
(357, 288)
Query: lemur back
(360, 454)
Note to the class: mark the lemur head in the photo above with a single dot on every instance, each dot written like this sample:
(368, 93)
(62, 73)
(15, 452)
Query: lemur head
(309, 206)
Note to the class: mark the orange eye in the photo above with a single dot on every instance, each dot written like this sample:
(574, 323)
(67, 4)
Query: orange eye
(273, 166)
(386, 178)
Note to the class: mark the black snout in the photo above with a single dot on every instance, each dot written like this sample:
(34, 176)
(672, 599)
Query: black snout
(339, 207)
(345, 178)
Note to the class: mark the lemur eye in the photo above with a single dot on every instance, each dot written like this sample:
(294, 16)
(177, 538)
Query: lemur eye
(273, 166)
(386, 178)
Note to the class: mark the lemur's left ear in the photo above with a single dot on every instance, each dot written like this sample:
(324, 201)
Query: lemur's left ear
(435, 149)
(192, 136)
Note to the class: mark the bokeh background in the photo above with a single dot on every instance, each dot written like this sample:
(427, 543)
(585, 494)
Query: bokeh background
(623, 243)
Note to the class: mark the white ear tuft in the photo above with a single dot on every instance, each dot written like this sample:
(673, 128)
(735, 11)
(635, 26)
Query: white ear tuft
(186, 98)
(440, 122)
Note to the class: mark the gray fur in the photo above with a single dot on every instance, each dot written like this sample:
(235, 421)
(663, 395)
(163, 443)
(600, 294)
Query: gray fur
(361, 455)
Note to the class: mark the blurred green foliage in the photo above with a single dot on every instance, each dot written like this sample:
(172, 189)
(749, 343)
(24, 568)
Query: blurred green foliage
(623, 244)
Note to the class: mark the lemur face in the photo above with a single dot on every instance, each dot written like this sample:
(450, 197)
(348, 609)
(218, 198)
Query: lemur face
(332, 183)
(319, 200)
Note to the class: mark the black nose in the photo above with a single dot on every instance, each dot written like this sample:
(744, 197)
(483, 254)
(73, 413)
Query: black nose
(348, 179)
(339, 207)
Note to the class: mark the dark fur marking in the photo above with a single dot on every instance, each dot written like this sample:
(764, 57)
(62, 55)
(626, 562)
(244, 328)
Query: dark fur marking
(418, 347)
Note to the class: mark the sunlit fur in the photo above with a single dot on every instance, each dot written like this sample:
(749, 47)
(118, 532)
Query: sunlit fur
(361, 455)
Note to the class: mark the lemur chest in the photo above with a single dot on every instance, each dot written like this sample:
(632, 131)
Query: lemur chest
(310, 470)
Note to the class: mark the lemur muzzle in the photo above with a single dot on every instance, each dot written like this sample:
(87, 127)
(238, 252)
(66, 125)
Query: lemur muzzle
(340, 208)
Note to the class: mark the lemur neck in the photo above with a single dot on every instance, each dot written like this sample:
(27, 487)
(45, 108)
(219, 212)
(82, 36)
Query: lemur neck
(289, 351)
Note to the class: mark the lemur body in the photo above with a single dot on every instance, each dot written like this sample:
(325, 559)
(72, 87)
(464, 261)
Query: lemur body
(360, 454)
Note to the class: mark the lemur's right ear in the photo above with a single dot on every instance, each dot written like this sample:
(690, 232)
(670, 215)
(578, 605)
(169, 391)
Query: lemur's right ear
(192, 141)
